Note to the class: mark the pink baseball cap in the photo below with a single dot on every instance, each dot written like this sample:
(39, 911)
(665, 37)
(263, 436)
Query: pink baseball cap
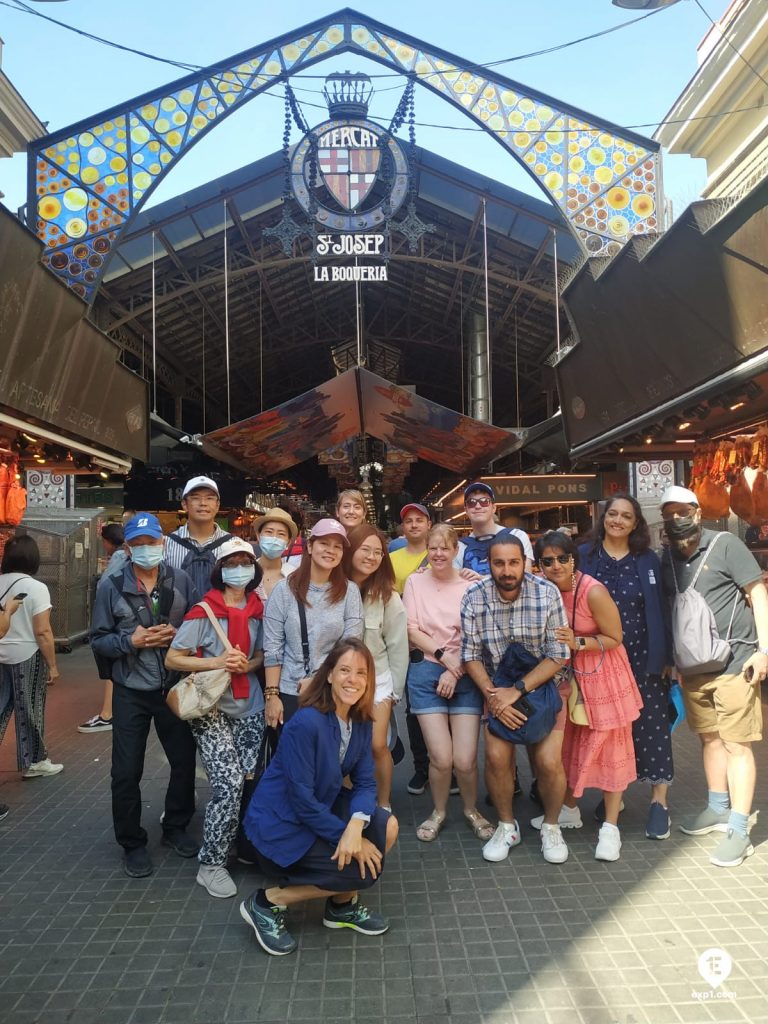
(329, 528)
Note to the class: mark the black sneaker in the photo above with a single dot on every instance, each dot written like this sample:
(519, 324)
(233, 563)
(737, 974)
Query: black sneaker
(4, 808)
(418, 782)
(268, 926)
(600, 811)
(137, 862)
(454, 790)
(355, 916)
(182, 843)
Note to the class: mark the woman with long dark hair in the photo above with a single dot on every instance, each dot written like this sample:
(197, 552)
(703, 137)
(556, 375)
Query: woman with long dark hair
(367, 563)
(315, 838)
(597, 752)
(620, 557)
(27, 656)
(329, 604)
(229, 737)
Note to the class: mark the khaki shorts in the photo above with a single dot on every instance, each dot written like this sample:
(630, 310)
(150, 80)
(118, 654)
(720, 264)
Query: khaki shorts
(725, 704)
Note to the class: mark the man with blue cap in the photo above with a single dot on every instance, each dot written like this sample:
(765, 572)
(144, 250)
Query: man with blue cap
(135, 617)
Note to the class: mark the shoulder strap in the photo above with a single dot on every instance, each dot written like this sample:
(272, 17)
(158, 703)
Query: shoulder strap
(184, 542)
(216, 627)
(575, 598)
(13, 585)
(166, 594)
(423, 562)
(304, 635)
(706, 554)
(213, 544)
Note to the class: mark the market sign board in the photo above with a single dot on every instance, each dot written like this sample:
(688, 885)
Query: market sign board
(534, 489)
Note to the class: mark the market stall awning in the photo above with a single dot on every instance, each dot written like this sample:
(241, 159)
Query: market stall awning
(58, 371)
(354, 403)
(661, 329)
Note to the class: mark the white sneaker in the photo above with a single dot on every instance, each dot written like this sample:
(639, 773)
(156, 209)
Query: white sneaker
(553, 846)
(501, 842)
(217, 880)
(39, 768)
(569, 817)
(608, 843)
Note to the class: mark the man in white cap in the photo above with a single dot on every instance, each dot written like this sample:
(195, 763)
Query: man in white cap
(723, 707)
(193, 546)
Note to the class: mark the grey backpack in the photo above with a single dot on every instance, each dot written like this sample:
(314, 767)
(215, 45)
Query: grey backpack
(698, 647)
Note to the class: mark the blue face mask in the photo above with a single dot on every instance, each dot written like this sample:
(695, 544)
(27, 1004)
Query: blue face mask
(272, 547)
(147, 556)
(238, 575)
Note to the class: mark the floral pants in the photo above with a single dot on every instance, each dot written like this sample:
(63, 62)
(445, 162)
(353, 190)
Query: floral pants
(229, 749)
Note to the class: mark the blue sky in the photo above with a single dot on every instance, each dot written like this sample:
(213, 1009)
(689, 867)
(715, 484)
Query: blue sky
(630, 77)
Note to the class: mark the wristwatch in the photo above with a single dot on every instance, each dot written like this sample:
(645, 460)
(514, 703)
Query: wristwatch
(581, 641)
(438, 655)
(519, 684)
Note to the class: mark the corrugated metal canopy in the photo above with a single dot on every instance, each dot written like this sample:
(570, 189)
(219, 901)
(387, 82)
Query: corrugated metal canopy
(283, 326)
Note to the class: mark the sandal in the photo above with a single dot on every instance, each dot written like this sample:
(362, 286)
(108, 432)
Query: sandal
(481, 827)
(429, 830)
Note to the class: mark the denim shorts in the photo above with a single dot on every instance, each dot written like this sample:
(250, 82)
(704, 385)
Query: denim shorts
(422, 682)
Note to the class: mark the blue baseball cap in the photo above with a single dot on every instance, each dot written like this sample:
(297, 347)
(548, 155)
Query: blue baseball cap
(143, 524)
(478, 485)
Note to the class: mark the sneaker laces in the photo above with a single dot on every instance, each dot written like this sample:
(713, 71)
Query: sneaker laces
(551, 835)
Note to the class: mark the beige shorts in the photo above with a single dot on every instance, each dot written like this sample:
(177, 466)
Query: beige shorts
(725, 704)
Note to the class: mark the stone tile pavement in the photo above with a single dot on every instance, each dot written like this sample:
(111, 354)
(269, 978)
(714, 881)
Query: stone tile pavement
(521, 942)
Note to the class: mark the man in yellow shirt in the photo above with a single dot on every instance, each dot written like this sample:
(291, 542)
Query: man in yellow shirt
(416, 524)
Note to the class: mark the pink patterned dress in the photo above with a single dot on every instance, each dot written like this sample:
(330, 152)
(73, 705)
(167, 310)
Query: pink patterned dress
(602, 754)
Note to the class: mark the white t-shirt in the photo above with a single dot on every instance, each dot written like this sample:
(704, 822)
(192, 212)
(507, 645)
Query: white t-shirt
(19, 643)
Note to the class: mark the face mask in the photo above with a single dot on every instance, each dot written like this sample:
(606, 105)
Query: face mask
(238, 575)
(272, 547)
(147, 556)
(680, 528)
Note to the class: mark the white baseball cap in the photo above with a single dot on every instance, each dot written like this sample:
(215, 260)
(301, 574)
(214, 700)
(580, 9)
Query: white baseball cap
(197, 483)
(679, 494)
(235, 546)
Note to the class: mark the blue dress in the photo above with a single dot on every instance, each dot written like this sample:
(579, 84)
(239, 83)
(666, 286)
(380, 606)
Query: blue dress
(650, 732)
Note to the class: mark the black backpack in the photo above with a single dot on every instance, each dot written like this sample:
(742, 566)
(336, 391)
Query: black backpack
(199, 562)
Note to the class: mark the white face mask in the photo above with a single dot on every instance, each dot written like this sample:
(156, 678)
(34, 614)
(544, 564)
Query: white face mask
(272, 547)
(147, 556)
(238, 575)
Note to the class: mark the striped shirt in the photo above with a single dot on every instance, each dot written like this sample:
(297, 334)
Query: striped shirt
(174, 554)
(489, 625)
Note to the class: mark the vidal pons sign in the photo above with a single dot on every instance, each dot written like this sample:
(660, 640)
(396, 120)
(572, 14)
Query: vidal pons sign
(350, 175)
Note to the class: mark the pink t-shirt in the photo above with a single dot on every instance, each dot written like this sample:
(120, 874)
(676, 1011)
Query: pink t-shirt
(434, 607)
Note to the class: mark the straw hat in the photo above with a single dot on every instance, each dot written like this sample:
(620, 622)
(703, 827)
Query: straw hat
(276, 515)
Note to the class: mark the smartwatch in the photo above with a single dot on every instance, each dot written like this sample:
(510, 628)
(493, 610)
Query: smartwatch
(582, 642)
(438, 655)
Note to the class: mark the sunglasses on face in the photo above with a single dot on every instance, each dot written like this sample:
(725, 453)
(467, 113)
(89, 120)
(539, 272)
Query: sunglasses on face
(550, 560)
(477, 502)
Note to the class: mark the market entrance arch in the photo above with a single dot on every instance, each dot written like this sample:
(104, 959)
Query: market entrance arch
(88, 181)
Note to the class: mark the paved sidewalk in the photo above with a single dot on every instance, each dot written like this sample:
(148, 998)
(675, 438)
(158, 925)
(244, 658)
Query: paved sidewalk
(469, 943)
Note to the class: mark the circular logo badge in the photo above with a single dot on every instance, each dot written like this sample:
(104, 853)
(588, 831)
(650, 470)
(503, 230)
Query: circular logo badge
(351, 157)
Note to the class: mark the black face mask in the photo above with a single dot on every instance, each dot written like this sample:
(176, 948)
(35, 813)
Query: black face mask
(681, 528)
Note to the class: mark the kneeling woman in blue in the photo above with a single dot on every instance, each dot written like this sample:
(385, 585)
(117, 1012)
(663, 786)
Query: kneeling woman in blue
(314, 837)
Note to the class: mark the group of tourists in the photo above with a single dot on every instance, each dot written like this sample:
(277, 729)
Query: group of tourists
(562, 649)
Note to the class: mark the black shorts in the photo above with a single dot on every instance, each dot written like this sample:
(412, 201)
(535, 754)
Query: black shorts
(316, 866)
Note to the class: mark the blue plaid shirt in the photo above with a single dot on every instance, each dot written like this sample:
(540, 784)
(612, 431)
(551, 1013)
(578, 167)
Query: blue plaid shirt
(489, 625)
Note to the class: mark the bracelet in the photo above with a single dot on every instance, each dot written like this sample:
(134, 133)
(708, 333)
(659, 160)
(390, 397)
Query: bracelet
(271, 693)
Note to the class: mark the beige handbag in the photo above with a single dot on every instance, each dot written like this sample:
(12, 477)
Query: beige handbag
(199, 692)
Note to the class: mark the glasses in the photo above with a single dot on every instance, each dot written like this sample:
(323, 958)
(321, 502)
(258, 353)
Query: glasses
(371, 552)
(550, 560)
(478, 502)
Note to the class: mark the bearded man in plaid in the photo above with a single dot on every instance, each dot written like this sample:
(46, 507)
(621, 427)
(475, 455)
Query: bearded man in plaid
(513, 605)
